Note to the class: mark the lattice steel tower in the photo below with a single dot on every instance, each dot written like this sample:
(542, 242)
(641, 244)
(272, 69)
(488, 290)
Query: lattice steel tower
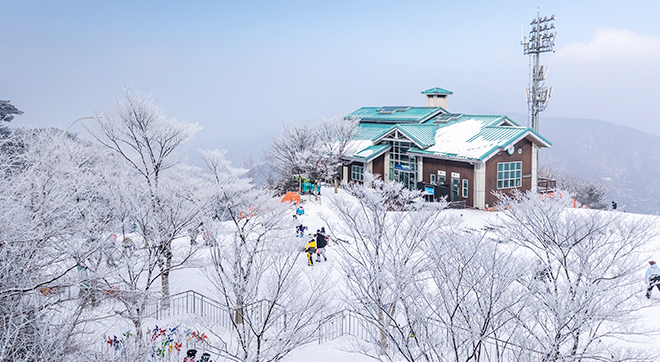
(541, 40)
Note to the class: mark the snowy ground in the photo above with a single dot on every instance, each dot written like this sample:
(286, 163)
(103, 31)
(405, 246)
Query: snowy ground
(316, 211)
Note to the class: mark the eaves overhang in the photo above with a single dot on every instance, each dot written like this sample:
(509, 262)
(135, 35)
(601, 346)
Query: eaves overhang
(535, 138)
(371, 153)
(443, 156)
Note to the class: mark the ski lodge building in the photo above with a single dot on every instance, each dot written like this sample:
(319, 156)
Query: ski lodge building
(463, 157)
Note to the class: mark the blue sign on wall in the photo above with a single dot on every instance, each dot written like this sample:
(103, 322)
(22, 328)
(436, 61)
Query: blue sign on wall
(429, 190)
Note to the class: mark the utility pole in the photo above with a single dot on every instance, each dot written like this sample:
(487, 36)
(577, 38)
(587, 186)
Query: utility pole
(541, 40)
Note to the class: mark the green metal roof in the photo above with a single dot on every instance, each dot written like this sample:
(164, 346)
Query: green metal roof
(437, 91)
(371, 151)
(405, 115)
(495, 133)
(370, 131)
(423, 134)
(455, 136)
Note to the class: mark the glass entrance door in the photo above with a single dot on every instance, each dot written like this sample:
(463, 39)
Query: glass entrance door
(454, 189)
(407, 178)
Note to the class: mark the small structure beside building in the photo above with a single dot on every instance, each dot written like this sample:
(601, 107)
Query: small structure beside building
(465, 157)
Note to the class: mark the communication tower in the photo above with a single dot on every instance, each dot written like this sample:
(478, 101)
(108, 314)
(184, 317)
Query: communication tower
(541, 40)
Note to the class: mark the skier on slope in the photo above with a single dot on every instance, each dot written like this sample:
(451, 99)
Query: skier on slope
(320, 246)
(300, 230)
(310, 248)
(652, 277)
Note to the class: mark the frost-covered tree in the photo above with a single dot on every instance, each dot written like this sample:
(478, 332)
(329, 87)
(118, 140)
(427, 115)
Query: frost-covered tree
(8, 111)
(334, 136)
(293, 153)
(384, 261)
(51, 197)
(276, 306)
(146, 140)
(309, 151)
(134, 260)
(586, 192)
(582, 282)
(472, 300)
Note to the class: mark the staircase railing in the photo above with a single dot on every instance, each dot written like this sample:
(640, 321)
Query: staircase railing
(190, 302)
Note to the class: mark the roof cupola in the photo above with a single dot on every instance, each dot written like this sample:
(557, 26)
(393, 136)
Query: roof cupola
(437, 97)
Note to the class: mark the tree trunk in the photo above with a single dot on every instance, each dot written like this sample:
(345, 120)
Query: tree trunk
(165, 288)
(138, 330)
(165, 278)
(383, 337)
(238, 317)
(384, 324)
(335, 185)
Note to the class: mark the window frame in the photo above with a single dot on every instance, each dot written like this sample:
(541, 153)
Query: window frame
(357, 175)
(442, 175)
(464, 188)
(433, 179)
(509, 175)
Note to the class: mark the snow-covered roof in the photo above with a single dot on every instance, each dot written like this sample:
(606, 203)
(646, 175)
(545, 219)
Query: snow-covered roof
(459, 137)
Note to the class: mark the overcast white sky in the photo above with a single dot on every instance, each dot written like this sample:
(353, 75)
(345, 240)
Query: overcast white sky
(242, 68)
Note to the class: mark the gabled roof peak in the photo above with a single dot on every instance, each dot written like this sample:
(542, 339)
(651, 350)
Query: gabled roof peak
(437, 90)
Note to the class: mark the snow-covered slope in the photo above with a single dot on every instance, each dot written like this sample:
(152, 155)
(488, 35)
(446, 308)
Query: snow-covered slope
(317, 214)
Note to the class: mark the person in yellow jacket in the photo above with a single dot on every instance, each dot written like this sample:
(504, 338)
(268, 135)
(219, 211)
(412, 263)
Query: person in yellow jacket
(310, 249)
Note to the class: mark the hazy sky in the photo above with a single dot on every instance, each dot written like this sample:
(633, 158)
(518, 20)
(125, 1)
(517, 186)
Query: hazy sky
(242, 68)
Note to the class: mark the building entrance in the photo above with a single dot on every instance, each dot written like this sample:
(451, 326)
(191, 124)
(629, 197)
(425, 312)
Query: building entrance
(455, 183)
(407, 178)
(403, 168)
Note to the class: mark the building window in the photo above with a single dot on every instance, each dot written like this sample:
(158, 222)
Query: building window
(403, 168)
(442, 177)
(432, 179)
(357, 173)
(465, 188)
(509, 174)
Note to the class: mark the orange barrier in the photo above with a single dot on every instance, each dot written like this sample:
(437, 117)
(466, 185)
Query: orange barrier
(291, 197)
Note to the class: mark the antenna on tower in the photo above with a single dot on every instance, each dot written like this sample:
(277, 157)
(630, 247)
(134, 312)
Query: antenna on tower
(541, 40)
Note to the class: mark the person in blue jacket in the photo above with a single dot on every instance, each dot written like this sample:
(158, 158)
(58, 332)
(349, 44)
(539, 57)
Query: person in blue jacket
(652, 277)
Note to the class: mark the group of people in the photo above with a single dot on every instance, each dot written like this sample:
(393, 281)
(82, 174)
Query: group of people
(316, 246)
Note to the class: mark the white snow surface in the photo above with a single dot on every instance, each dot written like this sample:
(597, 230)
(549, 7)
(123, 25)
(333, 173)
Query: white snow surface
(339, 349)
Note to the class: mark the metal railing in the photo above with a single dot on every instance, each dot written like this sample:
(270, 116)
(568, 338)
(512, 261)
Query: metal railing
(342, 323)
(346, 323)
(190, 302)
(546, 185)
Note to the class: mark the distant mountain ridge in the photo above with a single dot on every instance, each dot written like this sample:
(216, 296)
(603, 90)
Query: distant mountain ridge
(625, 160)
